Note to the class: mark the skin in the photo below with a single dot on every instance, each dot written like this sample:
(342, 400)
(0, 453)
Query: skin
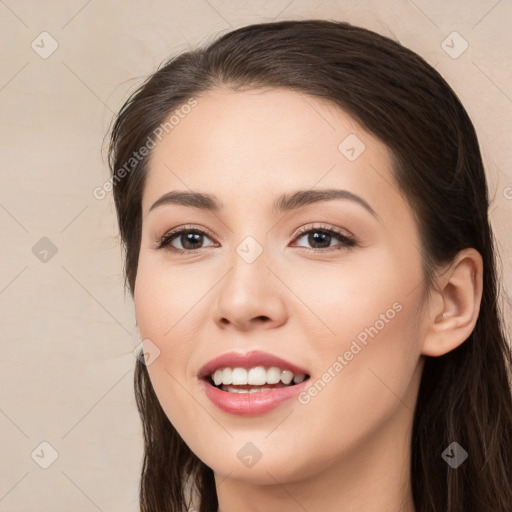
(348, 447)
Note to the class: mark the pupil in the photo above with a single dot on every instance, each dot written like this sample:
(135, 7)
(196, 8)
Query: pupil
(191, 238)
(322, 238)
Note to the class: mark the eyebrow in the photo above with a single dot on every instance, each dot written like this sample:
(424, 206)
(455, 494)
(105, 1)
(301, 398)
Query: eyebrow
(284, 203)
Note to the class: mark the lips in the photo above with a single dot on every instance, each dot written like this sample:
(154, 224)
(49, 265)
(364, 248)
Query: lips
(256, 403)
(248, 360)
(251, 404)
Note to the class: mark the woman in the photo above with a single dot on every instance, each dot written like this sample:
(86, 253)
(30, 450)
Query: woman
(304, 211)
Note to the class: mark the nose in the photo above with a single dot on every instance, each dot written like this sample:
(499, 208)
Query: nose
(250, 296)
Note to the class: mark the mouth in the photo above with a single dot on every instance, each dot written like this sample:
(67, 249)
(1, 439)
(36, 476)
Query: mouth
(251, 383)
(231, 393)
(251, 372)
(254, 380)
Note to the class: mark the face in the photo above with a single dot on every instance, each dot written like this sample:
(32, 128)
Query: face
(332, 286)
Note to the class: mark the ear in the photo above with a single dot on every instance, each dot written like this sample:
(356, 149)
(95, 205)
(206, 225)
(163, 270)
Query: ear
(455, 304)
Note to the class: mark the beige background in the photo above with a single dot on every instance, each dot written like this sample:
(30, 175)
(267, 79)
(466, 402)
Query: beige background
(68, 330)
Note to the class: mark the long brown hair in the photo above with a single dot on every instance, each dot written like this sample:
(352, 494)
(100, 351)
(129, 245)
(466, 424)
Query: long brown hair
(465, 395)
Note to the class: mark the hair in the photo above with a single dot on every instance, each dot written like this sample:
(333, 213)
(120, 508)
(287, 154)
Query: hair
(464, 395)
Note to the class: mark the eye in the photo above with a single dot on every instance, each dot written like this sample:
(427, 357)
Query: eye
(320, 237)
(189, 238)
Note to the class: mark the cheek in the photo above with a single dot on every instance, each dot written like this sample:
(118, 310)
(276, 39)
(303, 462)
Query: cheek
(166, 299)
(364, 335)
(155, 311)
(167, 371)
(339, 301)
(167, 303)
(362, 385)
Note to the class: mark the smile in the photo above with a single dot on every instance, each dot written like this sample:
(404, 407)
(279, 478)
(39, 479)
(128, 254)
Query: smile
(251, 383)
(259, 378)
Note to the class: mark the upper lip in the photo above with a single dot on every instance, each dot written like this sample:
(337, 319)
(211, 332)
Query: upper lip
(248, 360)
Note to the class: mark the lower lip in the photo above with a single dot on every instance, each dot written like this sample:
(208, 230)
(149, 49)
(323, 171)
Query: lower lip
(251, 404)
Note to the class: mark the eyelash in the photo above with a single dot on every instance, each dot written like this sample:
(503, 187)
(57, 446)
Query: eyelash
(347, 241)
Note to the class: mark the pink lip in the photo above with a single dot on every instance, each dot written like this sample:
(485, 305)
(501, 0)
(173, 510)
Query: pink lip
(247, 360)
(249, 404)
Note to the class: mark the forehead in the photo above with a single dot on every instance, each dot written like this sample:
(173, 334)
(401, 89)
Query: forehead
(260, 143)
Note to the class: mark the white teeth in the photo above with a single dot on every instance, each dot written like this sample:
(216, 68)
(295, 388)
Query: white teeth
(286, 377)
(273, 375)
(239, 376)
(298, 379)
(217, 377)
(231, 389)
(227, 376)
(257, 376)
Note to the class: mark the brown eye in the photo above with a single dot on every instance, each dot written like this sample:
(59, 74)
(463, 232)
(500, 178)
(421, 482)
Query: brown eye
(188, 240)
(322, 238)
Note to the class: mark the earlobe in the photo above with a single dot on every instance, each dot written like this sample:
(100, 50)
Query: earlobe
(455, 305)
